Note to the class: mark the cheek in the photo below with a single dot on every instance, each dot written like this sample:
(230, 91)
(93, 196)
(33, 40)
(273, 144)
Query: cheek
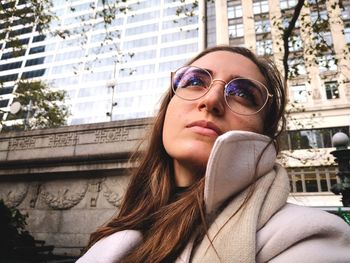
(254, 123)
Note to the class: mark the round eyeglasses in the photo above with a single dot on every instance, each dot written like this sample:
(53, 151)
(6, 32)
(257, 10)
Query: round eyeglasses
(242, 95)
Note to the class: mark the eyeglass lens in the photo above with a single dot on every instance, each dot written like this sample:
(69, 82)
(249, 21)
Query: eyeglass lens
(243, 96)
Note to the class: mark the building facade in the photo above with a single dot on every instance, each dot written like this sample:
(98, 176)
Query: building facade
(129, 69)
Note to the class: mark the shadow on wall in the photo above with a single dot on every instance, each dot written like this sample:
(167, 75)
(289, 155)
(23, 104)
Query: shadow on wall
(18, 245)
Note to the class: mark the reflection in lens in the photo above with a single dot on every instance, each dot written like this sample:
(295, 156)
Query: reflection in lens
(191, 82)
(245, 96)
(242, 90)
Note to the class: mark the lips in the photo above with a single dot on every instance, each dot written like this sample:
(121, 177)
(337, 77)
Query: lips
(206, 125)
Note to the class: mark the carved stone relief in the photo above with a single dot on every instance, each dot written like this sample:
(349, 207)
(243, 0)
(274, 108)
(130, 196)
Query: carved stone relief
(347, 90)
(34, 194)
(114, 188)
(94, 189)
(111, 135)
(13, 193)
(63, 194)
(62, 140)
(316, 95)
(22, 143)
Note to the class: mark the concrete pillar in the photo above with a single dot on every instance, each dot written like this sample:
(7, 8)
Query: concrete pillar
(311, 67)
(222, 37)
(248, 24)
(276, 33)
(340, 47)
(202, 20)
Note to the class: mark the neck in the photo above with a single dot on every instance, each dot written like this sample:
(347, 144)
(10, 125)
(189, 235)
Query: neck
(186, 175)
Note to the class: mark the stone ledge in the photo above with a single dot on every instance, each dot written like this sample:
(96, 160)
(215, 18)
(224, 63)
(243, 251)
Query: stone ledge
(80, 148)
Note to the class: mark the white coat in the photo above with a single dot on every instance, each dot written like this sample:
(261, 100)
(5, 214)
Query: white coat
(266, 229)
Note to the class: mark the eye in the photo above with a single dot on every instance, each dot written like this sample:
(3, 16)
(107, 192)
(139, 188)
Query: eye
(245, 92)
(192, 77)
(191, 81)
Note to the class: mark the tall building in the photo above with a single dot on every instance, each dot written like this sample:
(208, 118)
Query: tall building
(132, 68)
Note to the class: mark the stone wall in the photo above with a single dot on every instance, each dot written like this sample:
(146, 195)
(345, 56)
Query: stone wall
(68, 180)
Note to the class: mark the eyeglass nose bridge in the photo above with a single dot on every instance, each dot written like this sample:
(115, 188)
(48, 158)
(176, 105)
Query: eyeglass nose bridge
(220, 80)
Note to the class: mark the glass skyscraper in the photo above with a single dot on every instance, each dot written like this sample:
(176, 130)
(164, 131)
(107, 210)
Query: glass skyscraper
(147, 42)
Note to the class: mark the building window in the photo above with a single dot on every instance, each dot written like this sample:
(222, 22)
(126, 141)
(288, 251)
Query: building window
(327, 63)
(185, 21)
(264, 47)
(137, 43)
(347, 34)
(346, 12)
(262, 26)
(39, 38)
(236, 30)
(11, 77)
(35, 50)
(296, 67)
(295, 43)
(4, 103)
(286, 21)
(10, 66)
(6, 90)
(308, 139)
(141, 29)
(35, 61)
(23, 41)
(170, 51)
(299, 93)
(318, 179)
(184, 34)
(286, 4)
(332, 91)
(21, 31)
(142, 17)
(260, 7)
(324, 38)
(33, 74)
(235, 10)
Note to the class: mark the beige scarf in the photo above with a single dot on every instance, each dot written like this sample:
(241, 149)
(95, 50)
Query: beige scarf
(233, 233)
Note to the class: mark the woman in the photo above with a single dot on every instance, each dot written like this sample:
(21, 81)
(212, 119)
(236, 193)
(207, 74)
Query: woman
(207, 189)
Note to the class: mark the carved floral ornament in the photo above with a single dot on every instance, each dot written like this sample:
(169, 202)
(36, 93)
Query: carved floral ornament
(114, 188)
(13, 193)
(63, 194)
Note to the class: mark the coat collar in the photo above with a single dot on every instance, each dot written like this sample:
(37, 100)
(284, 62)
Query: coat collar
(232, 164)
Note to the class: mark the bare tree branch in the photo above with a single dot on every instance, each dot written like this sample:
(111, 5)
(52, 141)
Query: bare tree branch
(286, 35)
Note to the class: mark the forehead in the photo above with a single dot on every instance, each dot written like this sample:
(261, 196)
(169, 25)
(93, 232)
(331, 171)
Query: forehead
(227, 64)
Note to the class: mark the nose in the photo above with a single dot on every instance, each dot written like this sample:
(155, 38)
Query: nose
(214, 101)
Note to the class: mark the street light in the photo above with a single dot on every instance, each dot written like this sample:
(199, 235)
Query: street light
(342, 157)
(111, 84)
(14, 109)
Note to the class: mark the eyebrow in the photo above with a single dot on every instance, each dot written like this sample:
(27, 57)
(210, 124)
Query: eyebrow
(232, 76)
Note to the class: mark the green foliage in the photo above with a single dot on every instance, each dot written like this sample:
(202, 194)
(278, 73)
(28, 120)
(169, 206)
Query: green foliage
(42, 106)
(12, 229)
(345, 215)
(35, 15)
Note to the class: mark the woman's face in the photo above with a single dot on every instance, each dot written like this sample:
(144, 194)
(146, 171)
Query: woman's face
(191, 127)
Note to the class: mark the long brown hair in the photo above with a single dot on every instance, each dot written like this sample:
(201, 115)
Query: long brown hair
(148, 205)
